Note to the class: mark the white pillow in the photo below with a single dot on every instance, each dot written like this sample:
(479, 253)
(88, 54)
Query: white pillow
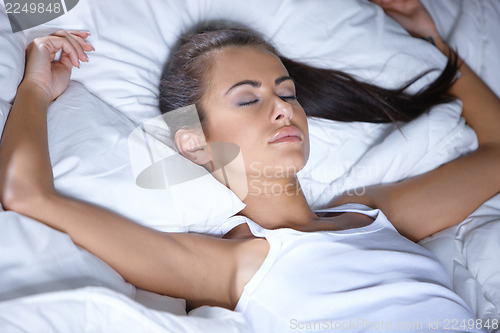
(132, 41)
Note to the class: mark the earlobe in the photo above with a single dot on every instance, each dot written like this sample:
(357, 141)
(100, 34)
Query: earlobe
(192, 145)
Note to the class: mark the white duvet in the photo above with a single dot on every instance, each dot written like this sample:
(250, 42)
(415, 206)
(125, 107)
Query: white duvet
(47, 284)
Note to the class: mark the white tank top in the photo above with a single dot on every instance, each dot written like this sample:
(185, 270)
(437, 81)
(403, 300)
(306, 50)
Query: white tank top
(355, 280)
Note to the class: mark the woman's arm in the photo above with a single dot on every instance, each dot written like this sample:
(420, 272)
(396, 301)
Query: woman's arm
(198, 268)
(423, 205)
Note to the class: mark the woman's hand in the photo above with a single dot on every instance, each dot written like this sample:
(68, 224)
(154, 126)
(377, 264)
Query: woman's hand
(53, 76)
(412, 15)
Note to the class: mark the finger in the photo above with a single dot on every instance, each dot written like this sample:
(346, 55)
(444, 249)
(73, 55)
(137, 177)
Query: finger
(76, 45)
(54, 44)
(80, 33)
(65, 60)
(82, 43)
(81, 36)
(87, 47)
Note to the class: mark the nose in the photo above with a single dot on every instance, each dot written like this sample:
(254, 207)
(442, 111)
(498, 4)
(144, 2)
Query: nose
(283, 111)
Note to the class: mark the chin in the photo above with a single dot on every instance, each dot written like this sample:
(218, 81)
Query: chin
(291, 164)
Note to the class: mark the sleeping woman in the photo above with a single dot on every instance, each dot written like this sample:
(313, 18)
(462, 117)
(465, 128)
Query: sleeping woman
(281, 264)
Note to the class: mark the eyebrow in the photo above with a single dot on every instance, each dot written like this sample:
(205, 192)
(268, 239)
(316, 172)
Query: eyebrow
(257, 84)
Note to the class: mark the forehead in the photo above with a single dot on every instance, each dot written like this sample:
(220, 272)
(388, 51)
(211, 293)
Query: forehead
(233, 64)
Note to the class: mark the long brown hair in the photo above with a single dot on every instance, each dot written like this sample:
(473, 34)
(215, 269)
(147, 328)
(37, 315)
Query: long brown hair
(324, 93)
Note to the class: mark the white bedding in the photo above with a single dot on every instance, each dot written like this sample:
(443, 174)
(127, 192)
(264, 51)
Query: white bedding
(49, 284)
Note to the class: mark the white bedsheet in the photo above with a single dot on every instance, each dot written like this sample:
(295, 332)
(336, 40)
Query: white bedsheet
(94, 309)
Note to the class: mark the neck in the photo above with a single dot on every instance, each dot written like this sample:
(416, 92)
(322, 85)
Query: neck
(277, 204)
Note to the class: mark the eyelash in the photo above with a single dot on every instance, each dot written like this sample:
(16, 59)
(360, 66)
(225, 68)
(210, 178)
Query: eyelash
(293, 98)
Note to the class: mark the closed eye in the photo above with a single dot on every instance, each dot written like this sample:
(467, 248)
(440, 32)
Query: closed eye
(285, 98)
(248, 103)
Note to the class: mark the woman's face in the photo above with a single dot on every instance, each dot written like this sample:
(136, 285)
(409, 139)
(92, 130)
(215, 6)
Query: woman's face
(251, 102)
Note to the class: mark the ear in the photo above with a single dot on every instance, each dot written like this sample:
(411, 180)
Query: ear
(192, 145)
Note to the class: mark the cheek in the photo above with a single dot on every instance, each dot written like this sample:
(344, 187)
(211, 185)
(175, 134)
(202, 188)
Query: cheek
(300, 119)
(229, 125)
(306, 149)
(235, 132)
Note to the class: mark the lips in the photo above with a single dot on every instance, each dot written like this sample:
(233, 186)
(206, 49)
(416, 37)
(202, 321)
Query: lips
(286, 134)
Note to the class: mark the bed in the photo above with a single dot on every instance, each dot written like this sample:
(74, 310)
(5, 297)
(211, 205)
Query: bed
(100, 145)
